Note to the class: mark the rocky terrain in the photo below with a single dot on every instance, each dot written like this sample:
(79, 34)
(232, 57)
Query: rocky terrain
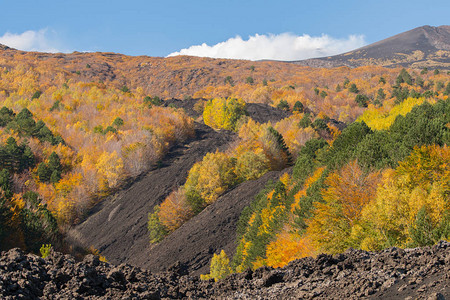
(425, 46)
(419, 273)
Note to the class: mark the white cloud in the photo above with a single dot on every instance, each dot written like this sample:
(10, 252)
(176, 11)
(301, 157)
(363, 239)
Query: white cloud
(42, 40)
(285, 46)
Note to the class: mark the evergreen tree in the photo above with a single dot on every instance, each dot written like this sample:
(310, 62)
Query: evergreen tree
(305, 121)
(44, 172)
(5, 184)
(38, 224)
(5, 217)
(298, 106)
(281, 144)
(403, 77)
(422, 232)
(362, 100)
(6, 116)
(25, 123)
(54, 162)
(353, 89)
(380, 94)
(283, 105)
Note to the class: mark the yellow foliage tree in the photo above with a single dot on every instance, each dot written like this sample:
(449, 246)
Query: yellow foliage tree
(421, 181)
(220, 267)
(110, 167)
(251, 165)
(222, 113)
(378, 119)
(212, 176)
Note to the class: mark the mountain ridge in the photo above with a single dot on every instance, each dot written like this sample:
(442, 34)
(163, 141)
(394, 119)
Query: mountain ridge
(425, 46)
(184, 76)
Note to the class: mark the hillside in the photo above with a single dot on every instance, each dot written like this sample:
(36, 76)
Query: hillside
(260, 164)
(124, 216)
(166, 77)
(118, 228)
(421, 47)
(182, 76)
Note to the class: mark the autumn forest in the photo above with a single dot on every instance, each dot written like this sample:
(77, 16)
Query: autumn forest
(364, 151)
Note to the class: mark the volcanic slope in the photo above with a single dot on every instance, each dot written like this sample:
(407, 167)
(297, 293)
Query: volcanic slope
(425, 46)
(117, 227)
(213, 230)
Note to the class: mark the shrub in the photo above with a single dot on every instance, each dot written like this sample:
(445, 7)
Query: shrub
(199, 106)
(156, 230)
(45, 250)
(220, 267)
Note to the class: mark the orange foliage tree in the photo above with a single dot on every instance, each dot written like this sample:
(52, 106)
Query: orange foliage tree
(349, 190)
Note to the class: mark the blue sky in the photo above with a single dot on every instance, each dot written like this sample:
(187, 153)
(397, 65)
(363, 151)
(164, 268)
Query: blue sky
(159, 28)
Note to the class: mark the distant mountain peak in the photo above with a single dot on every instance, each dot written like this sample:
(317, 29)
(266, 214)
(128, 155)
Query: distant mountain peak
(438, 36)
(425, 46)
